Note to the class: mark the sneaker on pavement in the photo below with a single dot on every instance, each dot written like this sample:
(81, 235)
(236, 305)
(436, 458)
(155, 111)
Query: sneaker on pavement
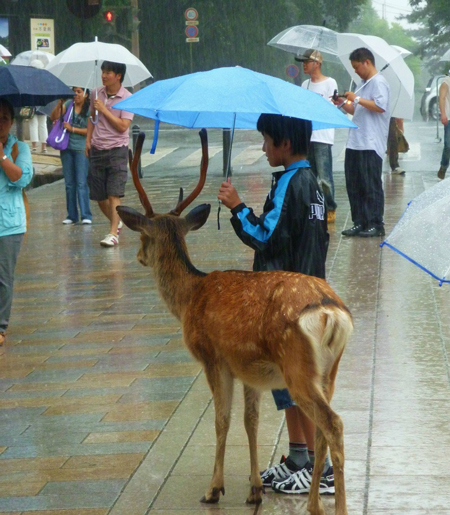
(68, 221)
(300, 482)
(110, 240)
(353, 231)
(398, 171)
(86, 221)
(279, 472)
(441, 173)
(119, 227)
(373, 231)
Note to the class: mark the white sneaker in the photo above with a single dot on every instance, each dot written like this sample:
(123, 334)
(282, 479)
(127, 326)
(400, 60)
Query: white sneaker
(86, 221)
(67, 221)
(110, 240)
(398, 171)
(119, 227)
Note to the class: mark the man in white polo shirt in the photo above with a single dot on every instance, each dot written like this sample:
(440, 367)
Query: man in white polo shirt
(319, 154)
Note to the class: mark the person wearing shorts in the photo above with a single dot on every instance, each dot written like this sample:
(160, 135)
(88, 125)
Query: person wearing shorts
(107, 147)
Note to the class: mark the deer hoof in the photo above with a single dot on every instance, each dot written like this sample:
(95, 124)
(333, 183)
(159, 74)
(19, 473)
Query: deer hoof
(213, 496)
(255, 495)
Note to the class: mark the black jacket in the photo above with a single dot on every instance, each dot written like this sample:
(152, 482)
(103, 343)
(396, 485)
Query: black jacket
(291, 234)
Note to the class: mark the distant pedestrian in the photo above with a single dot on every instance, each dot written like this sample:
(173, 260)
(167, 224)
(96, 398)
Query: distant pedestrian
(319, 154)
(444, 108)
(393, 148)
(38, 124)
(74, 161)
(366, 146)
(107, 147)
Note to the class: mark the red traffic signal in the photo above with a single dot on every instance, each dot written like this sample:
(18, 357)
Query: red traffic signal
(109, 16)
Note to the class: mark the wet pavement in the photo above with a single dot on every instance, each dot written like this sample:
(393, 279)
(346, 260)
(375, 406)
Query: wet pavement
(103, 411)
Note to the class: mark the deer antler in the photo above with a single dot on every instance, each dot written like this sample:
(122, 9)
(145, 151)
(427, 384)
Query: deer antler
(134, 173)
(182, 204)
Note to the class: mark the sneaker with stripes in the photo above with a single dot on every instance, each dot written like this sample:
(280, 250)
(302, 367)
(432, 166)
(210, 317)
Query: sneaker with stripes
(300, 482)
(279, 472)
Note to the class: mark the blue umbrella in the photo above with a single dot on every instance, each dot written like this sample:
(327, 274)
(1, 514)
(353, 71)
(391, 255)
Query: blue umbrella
(230, 98)
(28, 86)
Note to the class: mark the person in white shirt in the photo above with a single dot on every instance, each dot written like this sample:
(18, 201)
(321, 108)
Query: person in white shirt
(366, 146)
(319, 155)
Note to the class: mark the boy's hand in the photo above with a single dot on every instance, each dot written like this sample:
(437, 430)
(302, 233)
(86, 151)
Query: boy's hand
(228, 195)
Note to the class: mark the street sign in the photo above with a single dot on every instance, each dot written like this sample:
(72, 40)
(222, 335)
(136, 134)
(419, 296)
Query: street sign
(191, 14)
(192, 40)
(292, 71)
(191, 31)
(194, 22)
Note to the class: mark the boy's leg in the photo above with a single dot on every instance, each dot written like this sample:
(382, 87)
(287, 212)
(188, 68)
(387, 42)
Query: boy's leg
(115, 182)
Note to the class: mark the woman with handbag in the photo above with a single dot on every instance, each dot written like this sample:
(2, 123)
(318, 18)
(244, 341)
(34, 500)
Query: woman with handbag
(16, 172)
(73, 159)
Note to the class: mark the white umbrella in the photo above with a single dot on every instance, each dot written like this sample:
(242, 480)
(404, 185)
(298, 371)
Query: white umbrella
(403, 52)
(389, 62)
(299, 38)
(25, 58)
(446, 56)
(80, 64)
(4, 52)
(422, 235)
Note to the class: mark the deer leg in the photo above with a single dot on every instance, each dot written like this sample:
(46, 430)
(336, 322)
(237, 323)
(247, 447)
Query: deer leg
(221, 383)
(251, 420)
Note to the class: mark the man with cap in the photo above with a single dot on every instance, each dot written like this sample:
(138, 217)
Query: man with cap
(319, 155)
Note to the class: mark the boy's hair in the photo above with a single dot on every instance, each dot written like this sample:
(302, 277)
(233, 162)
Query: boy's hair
(362, 54)
(7, 105)
(279, 128)
(109, 66)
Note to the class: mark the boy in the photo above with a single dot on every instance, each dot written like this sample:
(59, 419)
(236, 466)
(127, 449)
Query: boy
(290, 235)
(107, 147)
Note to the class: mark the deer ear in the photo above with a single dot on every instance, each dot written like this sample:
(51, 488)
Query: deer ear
(197, 217)
(132, 218)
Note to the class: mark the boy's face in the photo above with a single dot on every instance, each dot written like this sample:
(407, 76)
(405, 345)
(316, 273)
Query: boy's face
(275, 155)
(110, 79)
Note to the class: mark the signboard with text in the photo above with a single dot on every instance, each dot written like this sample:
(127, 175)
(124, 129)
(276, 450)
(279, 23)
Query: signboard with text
(42, 34)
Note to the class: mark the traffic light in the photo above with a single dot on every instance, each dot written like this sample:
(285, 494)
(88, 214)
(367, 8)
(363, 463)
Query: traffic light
(109, 16)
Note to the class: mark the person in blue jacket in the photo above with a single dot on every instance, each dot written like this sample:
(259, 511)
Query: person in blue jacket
(291, 234)
(16, 172)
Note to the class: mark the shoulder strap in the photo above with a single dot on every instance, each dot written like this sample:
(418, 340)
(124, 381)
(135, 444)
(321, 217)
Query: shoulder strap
(14, 154)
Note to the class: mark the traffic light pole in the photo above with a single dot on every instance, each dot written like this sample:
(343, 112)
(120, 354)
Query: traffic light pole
(135, 32)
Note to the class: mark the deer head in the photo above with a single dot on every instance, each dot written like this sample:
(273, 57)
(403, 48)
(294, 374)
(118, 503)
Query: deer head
(153, 226)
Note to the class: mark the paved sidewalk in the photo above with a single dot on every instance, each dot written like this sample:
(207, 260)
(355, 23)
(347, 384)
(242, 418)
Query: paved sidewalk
(104, 412)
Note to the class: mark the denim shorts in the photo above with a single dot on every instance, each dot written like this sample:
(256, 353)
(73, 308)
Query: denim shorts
(108, 173)
(282, 399)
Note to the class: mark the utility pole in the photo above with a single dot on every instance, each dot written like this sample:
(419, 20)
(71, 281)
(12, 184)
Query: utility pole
(135, 31)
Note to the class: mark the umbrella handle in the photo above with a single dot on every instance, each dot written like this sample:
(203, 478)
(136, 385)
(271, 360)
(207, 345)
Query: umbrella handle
(58, 140)
(94, 119)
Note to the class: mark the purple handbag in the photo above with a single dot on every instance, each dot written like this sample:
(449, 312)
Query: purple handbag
(58, 137)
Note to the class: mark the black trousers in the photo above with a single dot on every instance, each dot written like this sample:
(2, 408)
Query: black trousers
(363, 169)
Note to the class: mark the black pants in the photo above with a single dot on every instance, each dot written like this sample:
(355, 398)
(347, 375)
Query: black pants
(363, 169)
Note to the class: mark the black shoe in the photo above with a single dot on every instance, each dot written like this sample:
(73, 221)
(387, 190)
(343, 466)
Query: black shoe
(441, 173)
(353, 231)
(373, 231)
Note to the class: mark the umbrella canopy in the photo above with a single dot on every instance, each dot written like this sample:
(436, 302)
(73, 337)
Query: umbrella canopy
(397, 73)
(80, 64)
(26, 58)
(4, 52)
(446, 56)
(27, 86)
(403, 52)
(299, 38)
(230, 98)
(422, 235)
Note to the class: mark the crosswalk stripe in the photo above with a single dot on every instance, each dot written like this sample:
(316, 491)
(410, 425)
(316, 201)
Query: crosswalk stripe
(149, 159)
(195, 158)
(248, 156)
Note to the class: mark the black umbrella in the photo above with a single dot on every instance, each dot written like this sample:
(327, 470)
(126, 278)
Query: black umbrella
(28, 86)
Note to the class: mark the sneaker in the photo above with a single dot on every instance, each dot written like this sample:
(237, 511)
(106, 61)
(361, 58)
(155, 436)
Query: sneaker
(373, 231)
(331, 217)
(33, 150)
(119, 227)
(300, 482)
(110, 240)
(441, 173)
(68, 221)
(398, 171)
(279, 472)
(353, 231)
(86, 221)
(44, 151)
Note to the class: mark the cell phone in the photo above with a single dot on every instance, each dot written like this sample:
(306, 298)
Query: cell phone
(335, 95)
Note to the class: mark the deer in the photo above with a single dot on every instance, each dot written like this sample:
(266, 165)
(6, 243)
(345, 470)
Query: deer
(269, 330)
